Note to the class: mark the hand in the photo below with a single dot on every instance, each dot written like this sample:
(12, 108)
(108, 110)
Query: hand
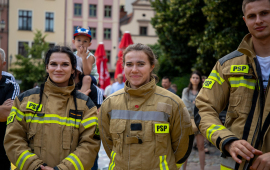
(46, 167)
(85, 92)
(82, 52)
(262, 162)
(8, 102)
(243, 149)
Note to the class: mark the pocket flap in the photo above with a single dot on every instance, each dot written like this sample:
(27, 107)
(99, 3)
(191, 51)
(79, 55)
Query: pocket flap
(117, 126)
(164, 107)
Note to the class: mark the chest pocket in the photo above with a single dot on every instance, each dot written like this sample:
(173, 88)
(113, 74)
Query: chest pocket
(117, 128)
(162, 134)
(34, 138)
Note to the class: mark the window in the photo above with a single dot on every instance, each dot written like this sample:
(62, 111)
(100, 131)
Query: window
(49, 22)
(107, 33)
(143, 30)
(21, 48)
(108, 11)
(93, 32)
(51, 45)
(92, 10)
(25, 20)
(108, 53)
(78, 9)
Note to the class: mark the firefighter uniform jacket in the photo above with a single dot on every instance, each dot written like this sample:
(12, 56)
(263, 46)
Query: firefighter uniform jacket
(56, 135)
(147, 128)
(235, 80)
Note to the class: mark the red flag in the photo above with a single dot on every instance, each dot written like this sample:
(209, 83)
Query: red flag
(104, 76)
(125, 42)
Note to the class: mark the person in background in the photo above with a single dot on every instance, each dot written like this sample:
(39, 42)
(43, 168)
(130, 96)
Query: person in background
(166, 84)
(144, 126)
(189, 95)
(107, 91)
(174, 87)
(203, 79)
(53, 127)
(118, 85)
(8, 91)
(8, 75)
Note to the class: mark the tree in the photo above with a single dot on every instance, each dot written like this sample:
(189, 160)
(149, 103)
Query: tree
(175, 22)
(222, 33)
(31, 69)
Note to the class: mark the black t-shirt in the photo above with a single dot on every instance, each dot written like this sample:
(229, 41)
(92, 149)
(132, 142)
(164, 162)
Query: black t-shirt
(8, 90)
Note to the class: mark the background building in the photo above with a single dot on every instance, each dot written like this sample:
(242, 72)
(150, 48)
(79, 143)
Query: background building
(138, 23)
(26, 16)
(102, 16)
(4, 28)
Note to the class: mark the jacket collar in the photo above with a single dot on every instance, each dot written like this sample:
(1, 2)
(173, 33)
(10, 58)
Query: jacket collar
(51, 88)
(246, 46)
(145, 90)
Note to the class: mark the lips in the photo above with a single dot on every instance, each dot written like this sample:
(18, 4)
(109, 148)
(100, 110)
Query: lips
(260, 28)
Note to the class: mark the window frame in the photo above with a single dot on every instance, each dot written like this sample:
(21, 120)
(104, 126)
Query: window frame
(107, 12)
(108, 56)
(95, 31)
(74, 8)
(105, 32)
(141, 33)
(25, 25)
(49, 30)
(95, 11)
(24, 50)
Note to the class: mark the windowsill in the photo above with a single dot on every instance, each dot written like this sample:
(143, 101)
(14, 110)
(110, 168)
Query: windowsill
(50, 31)
(23, 30)
(77, 16)
(92, 16)
(107, 39)
(107, 17)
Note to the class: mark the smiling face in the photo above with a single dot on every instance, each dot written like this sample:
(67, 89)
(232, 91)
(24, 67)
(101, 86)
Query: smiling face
(257, 19)
(59, 68)
(81, 41)
(137, 68)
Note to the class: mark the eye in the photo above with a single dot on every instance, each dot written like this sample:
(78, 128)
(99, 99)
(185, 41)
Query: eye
(53, 64)
(65, 64)
(264, 13)
(251, 16)
(128, 64)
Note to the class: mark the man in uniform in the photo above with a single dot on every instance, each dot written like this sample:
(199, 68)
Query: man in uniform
(241, 79)
(8, 91)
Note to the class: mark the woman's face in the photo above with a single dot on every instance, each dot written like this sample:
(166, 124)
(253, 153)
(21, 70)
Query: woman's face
(137, 68)
(59, 68)
(195, 79)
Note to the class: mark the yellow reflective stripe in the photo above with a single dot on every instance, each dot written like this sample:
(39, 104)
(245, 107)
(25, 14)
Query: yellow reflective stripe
(22, 158)
(75, 161)
(163, 163)
(90, 122)
(212, 129)
(19, 114)
(241, 81)
(52, 118)
(179, 165)
(214, 75)
(33, 106)
(112, 165)
(224, 168)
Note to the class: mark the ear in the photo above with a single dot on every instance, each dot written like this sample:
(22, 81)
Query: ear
(4, 63)
(244, 19)
(47, 69)
(73, 71)
(73, 41)
(90, 44)
(152, 67)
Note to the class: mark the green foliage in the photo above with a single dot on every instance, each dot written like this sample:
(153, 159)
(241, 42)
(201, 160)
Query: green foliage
(31, 70)
(181, 82)
(194, 34)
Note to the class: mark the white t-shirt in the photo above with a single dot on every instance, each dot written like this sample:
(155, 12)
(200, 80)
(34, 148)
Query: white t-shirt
(265, 68)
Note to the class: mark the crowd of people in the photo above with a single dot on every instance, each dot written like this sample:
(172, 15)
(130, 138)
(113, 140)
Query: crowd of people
(60, 124)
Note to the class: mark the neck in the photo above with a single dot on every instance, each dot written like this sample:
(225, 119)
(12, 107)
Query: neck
(261, 47)
(195, 87)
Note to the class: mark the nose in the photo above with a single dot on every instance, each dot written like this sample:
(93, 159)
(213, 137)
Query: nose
(58, 68)
(258, 20)
(134, 68)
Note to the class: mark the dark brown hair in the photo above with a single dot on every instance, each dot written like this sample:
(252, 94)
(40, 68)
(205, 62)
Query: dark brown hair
(245, 2)
(199, 85)
(147, 50)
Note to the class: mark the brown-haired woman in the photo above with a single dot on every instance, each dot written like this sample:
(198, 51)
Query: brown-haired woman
(144, 126)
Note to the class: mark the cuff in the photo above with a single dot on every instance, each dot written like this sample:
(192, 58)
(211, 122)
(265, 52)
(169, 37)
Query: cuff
(56, 168)
(41, 164)
(226, 141)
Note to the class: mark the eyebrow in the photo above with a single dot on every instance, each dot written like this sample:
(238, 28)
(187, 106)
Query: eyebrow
(136, 62)
(65, 62)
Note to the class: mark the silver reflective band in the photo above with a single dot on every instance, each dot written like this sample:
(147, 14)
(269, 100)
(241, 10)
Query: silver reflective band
(139, 115)
(227, 162)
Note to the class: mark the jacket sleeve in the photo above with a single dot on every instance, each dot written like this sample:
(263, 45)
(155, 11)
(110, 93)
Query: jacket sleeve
(86, 152)
(104, 123)
(186, 101)
(182, 135)
(16, 142)
(209, 105)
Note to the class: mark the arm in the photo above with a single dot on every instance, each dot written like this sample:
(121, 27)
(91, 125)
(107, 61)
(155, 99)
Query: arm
(87, 62)
(207, 119)
(89, 142)
(186, 101)
(104, 128)
(4, 110)
(16, 141)
(181, 134)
